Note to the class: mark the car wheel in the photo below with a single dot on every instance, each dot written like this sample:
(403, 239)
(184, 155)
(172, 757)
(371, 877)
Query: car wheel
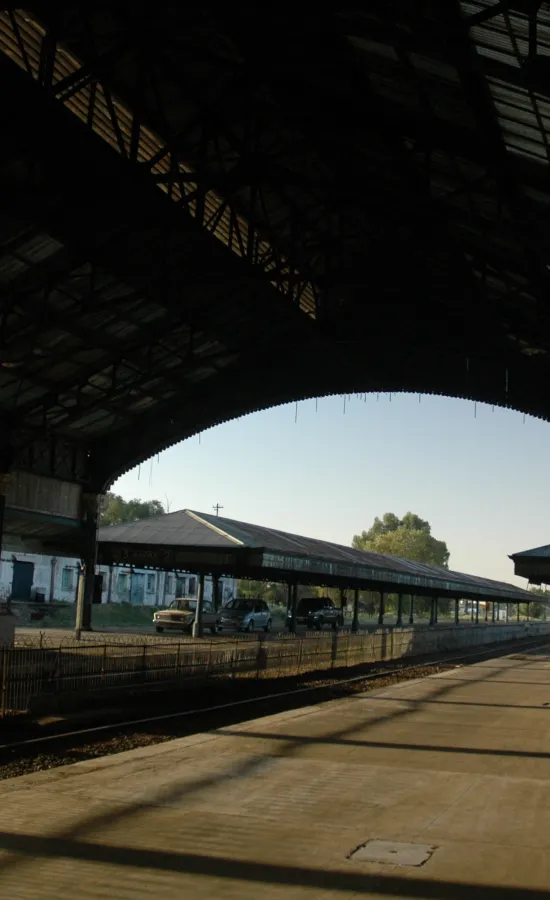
(160, 629)
(319, 624)
(213, 629)
(268, 625)
(250, 627)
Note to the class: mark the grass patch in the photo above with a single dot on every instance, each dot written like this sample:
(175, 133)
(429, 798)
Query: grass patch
(106, 615)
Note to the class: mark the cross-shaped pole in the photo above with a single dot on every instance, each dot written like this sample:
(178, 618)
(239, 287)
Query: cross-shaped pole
(217, 507)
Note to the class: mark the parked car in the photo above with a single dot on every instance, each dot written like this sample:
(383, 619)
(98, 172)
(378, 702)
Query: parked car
(180, 616)
(314, 612)
(246, 615)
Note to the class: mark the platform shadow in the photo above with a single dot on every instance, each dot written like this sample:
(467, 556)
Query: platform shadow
(74, 841)
(192, 864)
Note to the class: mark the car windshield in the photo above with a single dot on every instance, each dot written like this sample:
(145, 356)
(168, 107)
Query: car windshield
(183, 603)
(244, 605)
(309, 604)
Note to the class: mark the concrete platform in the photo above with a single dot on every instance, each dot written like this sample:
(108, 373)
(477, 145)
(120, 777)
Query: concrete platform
(457, 765)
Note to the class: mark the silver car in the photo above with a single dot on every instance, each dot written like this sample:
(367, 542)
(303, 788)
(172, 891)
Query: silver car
(246, 615)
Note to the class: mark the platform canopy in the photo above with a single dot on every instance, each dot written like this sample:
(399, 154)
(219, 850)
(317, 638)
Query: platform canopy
(193, 541)
(533, 564)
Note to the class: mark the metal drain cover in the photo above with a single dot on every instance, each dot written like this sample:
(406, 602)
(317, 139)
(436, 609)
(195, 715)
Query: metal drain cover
(393, 853)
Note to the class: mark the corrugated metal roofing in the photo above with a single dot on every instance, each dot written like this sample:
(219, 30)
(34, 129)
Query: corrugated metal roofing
(414, 155)
(503, 40)
(174, 529)
(187, 528)
(535, 552)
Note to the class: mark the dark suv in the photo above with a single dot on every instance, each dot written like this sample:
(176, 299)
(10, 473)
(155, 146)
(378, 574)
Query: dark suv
(314, 612)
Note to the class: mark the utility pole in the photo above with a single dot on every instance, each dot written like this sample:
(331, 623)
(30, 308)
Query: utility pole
(217, 507)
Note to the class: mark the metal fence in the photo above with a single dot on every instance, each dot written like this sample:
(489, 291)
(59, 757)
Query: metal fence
(33, 672)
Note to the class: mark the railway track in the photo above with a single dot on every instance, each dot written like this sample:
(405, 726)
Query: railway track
(60, 747)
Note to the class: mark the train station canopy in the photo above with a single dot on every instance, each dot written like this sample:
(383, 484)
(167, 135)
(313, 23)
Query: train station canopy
(192, 541)
(533, 564)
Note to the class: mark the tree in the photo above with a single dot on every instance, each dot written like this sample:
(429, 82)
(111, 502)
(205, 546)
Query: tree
(117, 511)
(409, 538)
(538, 610)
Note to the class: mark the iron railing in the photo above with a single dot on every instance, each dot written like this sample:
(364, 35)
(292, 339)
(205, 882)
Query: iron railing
(32, 672)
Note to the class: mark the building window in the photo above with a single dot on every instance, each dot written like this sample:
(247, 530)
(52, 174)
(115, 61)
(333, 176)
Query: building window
(168, 586)
(150, 583)
(67, 583)
(192, 586)
(122, 584)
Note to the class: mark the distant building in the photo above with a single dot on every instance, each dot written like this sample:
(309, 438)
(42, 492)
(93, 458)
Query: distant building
(28, 576)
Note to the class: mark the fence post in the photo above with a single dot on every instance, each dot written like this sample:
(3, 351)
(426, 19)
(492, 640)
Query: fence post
(103, 663)
(300, 650)
(58, 669)
(209, 661)
(334, 655)
(4, 680)
(260, 658)
(234, 660)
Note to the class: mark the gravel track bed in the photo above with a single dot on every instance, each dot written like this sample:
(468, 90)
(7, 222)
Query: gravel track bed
(197, 701)
(64, 751)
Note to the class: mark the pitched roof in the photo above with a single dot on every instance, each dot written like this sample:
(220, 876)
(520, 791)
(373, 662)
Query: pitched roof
(534, 553)
(195, 530)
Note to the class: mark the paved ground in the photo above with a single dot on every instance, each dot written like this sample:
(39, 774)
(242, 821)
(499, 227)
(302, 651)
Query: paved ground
(58, 635)
(273, 808)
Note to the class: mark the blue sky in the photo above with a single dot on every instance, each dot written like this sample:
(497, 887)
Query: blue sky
(480, 477)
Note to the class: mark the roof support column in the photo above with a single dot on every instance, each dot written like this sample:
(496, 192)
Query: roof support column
(486, 611)
(216, 592)
(399, 621)
(457, 611)
(355, 622)
(342, 606)
(2, 511)
(518, 613)
(433, 611)
(289, 606)
(90, 516)
(477, 612)
(411, 611)
(507, 613)
(197, 624)
(381, 608)
(527, 611)
(493, 612)
(110, 585)
(293, 608)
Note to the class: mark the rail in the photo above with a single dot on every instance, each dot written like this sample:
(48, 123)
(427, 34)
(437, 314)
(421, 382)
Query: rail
(29, 673)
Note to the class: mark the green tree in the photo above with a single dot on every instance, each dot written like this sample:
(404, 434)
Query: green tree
(408, 538)
(117, 511)
(538, 610)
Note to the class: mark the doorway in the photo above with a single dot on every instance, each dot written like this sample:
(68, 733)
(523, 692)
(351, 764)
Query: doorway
(137, 589)
(23, 576)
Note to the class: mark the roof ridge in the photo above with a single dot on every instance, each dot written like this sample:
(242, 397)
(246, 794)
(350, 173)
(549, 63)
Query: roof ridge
(200, 518)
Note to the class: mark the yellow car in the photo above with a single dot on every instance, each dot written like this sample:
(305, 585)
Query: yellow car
(180, 616)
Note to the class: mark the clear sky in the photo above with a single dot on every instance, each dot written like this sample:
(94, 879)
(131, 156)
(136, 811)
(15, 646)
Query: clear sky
(480, 477)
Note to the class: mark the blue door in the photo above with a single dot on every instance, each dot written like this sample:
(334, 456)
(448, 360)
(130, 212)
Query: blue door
(23, 575)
